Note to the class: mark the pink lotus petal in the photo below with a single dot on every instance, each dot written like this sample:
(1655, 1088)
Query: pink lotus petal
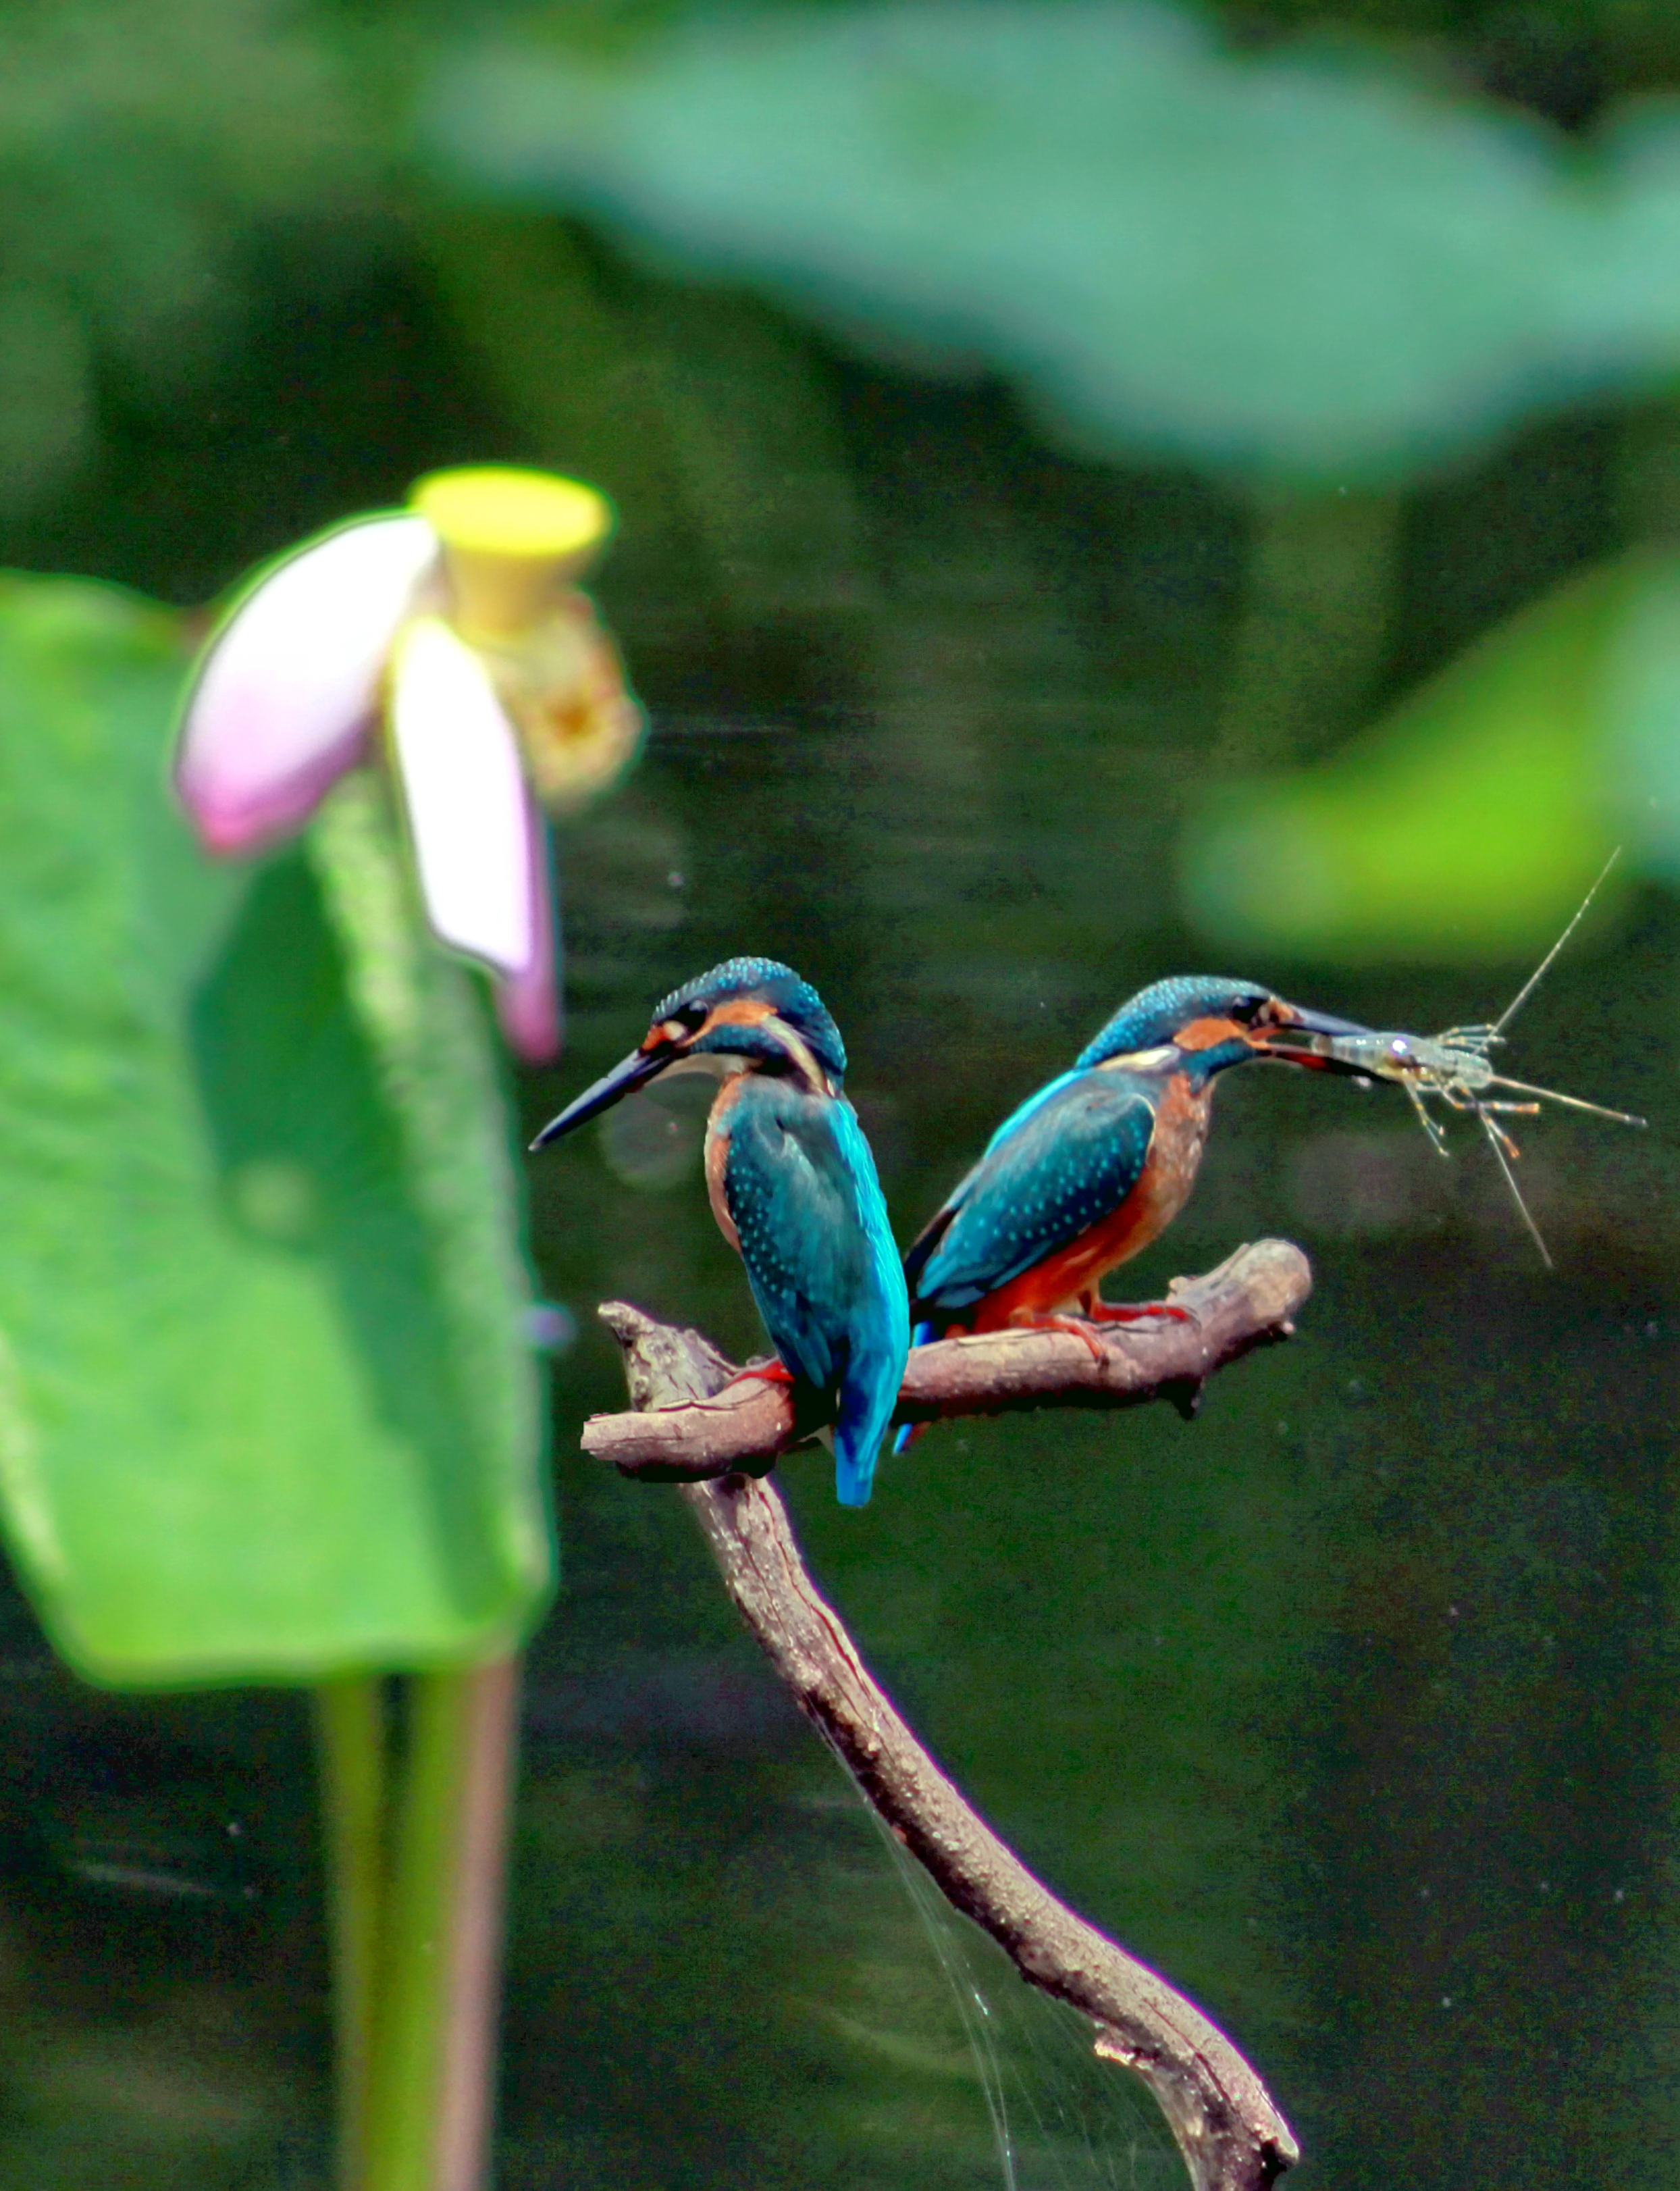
(469, 815)
(284, 698)
(528, 1002)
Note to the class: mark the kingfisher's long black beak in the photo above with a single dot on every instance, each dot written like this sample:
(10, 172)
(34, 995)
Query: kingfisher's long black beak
(1305, 1039)
(629, 1074)
(1323, 1023)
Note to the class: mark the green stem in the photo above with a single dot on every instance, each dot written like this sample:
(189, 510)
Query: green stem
(351, 1737)
(430, 2102)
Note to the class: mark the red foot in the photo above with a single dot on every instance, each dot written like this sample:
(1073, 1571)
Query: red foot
(1040, 1319)
(1094, 1310)
(769, 1372)
(1098, 1310)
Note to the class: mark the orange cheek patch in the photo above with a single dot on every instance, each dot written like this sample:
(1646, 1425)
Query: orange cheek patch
(1207, 1035)
(742, 1011)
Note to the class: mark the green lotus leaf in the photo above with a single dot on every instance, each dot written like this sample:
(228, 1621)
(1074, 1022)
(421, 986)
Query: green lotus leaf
(267, 1410)
(1307, 262)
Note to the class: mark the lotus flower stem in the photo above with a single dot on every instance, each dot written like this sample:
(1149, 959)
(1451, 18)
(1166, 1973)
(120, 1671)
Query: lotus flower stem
(431, 2086)
(351, 1737)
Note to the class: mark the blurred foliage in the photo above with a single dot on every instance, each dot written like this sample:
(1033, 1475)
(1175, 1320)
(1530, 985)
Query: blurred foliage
(1308, 262)
(1468, 824)
(147, 148)
(268, 1408)
(1320, 257)
(1304, 262)
(1470, 820)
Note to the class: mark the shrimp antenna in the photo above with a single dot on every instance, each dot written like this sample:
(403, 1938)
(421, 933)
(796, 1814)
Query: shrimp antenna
(1540, 971)
(1496, 1144)
(1573, 1103)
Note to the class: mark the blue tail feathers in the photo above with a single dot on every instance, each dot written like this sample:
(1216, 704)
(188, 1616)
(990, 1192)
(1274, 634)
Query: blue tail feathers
(921, 1334)
(853, 1473)
(868, 1395)
(857, 1439)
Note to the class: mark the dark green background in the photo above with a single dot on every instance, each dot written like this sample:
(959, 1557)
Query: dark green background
(1350, 1706)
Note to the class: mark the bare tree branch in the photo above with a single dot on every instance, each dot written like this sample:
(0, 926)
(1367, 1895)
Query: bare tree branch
(1231, 2136)
(1247, 1301)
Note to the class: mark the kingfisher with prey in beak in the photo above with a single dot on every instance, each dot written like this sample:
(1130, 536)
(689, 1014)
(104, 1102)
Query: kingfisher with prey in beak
(1095, 1165)
(793, 1188)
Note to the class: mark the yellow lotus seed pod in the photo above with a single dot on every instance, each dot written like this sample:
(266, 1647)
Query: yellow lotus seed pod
(511, 539)
(498, 508)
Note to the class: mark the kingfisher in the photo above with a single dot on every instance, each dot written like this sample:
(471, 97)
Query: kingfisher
(793, 1188)
(1095, 1165)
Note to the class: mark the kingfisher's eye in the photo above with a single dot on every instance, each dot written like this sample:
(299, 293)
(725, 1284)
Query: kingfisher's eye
(677, 1027)
(682, 1022)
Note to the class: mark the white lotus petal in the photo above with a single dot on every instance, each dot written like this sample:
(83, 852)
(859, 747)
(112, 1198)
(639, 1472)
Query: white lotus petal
(469, 815)
(283, 700)
(528, 1004)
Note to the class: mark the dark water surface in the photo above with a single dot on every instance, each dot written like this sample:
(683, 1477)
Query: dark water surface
(1349, 1705)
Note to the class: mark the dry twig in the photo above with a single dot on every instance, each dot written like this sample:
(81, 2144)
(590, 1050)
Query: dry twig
(1231, 2136)
(1247, 1301)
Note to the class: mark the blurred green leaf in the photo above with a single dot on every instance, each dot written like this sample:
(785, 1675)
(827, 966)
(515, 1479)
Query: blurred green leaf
(1308, 261)
(1641, 699)
(146, 148)
(266, 1408)
(1469, 823)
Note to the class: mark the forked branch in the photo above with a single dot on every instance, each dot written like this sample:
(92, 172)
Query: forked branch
(1231, 2136)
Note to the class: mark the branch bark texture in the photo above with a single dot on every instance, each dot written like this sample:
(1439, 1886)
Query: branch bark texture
(1247, 1301)
(1231, 2136)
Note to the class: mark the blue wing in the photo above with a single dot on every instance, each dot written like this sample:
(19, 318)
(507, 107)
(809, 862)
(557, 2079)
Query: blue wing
(802, 1190)
(1070, 1155)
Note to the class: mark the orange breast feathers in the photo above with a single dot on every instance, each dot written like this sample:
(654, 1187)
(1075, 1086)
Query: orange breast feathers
(1163, 1188)
(716, 1155)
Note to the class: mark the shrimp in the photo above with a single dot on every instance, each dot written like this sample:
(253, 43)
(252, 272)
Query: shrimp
(1457, 1066)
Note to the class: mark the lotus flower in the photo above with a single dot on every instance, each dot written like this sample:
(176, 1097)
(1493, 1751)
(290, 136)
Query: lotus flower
(455, 626)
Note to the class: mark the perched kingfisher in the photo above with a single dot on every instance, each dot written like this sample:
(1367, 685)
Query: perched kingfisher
(1094, 1165)
(793, 1189)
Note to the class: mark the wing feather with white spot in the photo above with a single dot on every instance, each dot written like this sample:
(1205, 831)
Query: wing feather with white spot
(1069, 1159)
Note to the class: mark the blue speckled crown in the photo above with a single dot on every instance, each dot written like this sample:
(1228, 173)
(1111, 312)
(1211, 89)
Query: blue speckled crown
(791, 998)
(1156, 1015)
